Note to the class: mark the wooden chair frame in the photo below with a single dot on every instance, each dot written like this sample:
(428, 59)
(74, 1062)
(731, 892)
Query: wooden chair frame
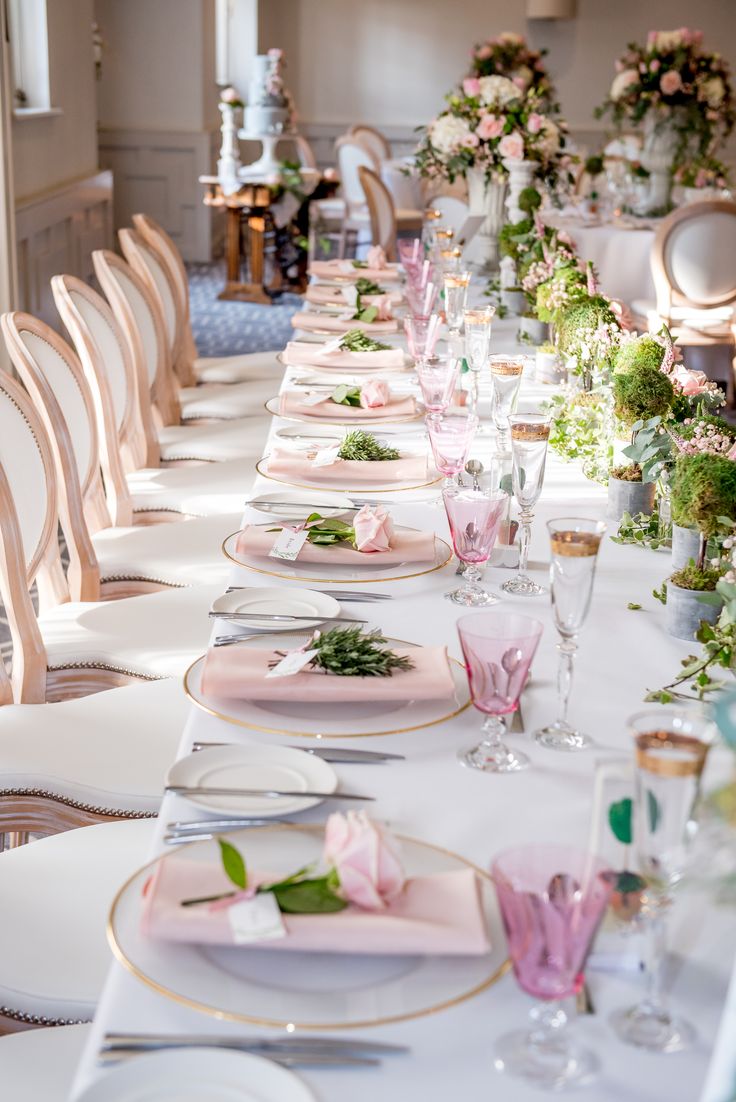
(359, 128)
(667, 295)
(372, 183)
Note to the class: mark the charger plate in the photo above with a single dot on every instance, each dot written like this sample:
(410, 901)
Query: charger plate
(304, 990)
(340, 487)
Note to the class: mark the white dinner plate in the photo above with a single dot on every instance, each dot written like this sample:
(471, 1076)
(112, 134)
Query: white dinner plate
(279, 602)
(254, 767)
(292, 503)
(346, 719)
(272, 405)
(337, 482)
(196, 1075)
(298, 989)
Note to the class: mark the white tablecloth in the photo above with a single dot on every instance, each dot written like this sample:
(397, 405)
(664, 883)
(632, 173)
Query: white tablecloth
(620, 255)
(430, 796)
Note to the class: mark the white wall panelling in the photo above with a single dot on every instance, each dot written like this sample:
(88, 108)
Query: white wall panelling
(156, 171)
(56, 233)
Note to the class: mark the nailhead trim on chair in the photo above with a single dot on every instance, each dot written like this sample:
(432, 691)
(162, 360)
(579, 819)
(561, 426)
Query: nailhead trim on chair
(141, 578)
(38, 1019)
(110, 669)
(160, 509)
(44, 794)
(186, 459)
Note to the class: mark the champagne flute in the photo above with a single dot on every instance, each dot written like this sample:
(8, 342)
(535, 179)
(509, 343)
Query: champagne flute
(449, 259)
(506, 372)
(671, 746)
(443, 236)
(456, 293)
(574, 545)
(450, 437)
(474, 517)
(552, 900)
(498, 648)
(429, 227)
(477, 343)
(529, 436)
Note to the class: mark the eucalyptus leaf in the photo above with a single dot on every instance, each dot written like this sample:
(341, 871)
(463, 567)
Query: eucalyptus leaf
(308, 897)
(233, 864)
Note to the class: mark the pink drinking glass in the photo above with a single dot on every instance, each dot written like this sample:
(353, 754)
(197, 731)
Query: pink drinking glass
(474, 517)
(552, 900)
(411, 251)
(438, 381)
(418, 277)
(421, 300)
(498, 648)
(450, 437)
(422, 333)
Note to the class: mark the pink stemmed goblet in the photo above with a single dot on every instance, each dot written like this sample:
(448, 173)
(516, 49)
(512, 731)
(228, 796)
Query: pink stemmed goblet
(450, 436)
(552, 900)
(474, 517)
(498, 648)
(421, 300)
(438, 381)
(411, 251)
(421, 335)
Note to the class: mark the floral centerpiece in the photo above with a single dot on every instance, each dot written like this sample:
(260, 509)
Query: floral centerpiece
(681, 93)
(509, 55)
(703, 175)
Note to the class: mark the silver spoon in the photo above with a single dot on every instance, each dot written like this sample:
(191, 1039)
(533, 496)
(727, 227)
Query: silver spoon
(474, 467)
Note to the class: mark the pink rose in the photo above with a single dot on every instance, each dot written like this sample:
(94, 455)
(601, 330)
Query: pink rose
(520, 82)
(365, 860)
(655, 65)
(731, 454)
(383, 304)
(623, 313)
(229, 95)
(373, 529)
(374, 393)
(691, 383)
(534, 123)
(484, 52)
(471, 141)
(512, 146)
(376, 257)
(471, 86)
(490, 126)
(670, 82)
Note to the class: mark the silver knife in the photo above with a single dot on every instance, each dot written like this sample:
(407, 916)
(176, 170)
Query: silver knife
(112, 1054)
(283, 618)
(301, 1044)
(267, 793)
(327, 754)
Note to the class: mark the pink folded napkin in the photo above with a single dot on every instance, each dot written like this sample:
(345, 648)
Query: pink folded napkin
(308, 354)
(439, 914)
(327, 322)
(343, 269)
(240, 673)
(283, 463)
(323, 295)
(405, 546)
(291, 403)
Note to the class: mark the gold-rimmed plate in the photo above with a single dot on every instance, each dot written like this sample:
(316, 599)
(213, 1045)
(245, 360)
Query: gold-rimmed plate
(323, 366)
(301, 990)
(359, 489)
(272, 405)
(349, 719)
(364, 573)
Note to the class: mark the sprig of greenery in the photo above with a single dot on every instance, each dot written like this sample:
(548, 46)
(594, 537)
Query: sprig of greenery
(650, 449)
(368, 287)
(355, 340)
(328, 532)
(366, 314)
(719, 651)
(346, 395)
(350, 652)
(364, 446)
(642, 530)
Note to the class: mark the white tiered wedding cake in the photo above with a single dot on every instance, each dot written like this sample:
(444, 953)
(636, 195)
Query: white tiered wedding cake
(270, 109)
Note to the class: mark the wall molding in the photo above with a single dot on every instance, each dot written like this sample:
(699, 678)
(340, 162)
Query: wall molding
(56, 233)
(156, 171)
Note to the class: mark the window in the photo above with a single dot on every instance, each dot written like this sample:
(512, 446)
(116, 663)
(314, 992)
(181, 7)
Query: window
(29, 47)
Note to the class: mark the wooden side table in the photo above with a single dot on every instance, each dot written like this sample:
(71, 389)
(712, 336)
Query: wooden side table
(247, 214)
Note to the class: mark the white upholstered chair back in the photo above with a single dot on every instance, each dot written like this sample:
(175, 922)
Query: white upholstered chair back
(305, 153)
(154, 273)
(381, 210)
(351, 157)
(372, 140)
(694, 257)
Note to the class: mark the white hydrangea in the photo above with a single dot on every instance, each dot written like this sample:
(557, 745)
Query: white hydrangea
(497, 91)
(713, 91)
(449, 133)
(509, 38)
(664, 41)
(550, 134)
(622, 81)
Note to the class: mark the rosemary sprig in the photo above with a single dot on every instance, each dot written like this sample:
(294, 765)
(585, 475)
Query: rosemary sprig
(362, 445)
(355, 340)
(349, 652)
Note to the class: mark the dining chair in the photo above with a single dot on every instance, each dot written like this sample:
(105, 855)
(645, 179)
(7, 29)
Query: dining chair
(373, 140)
(190, 367)
(106, 560)
(57, 893)
(155, 493)
(351, 156)
(694, 271)
(73, 648)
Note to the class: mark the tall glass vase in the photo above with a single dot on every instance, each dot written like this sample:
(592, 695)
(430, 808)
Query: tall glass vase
(485, 197)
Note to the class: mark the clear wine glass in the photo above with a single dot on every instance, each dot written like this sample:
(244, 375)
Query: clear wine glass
(506, 372)
(552, 901)
(444, 236)
(449, 259)
(671, 746)
(574, 543)
(421, 335)
(456, 293)
(474, 516)
(438, 381)
(430, 221)
(477, 324)
(498, 648)
(529, 436)
(450, 437)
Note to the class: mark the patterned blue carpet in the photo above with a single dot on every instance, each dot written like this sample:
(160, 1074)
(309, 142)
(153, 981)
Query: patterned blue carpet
(232, 328)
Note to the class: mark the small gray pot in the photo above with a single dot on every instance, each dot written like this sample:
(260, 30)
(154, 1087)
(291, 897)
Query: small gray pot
(685, 546)
(514, 301)
(534, 330)
(684, 611)
(630, 497)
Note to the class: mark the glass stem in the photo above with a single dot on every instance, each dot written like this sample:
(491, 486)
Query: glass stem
(472, 575)
(549, 1025)
(493, 730)
(525, 517)
(654, 1001)
(567, 649)
(474, 390)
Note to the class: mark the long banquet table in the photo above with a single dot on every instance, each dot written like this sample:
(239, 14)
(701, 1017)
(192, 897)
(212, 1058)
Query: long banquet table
(431, 797)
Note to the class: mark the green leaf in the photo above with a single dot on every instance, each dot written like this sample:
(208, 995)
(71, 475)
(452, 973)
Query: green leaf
(369, 314)
(620, 820)
(308, 897)
(654, 812)
(233, 864)
(346, 395)
(506, 485)
(633, 607)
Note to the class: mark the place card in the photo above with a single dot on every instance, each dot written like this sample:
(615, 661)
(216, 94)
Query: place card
(325, 457)
(288, 544)
(292, 663)
(256, 919)
(329, 346)
(350, 294)
(313, 399)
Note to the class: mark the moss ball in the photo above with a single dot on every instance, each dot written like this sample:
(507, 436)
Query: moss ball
(703, 489)
(642, 352)
(643, 393)
(588, 313)
(529, 200)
